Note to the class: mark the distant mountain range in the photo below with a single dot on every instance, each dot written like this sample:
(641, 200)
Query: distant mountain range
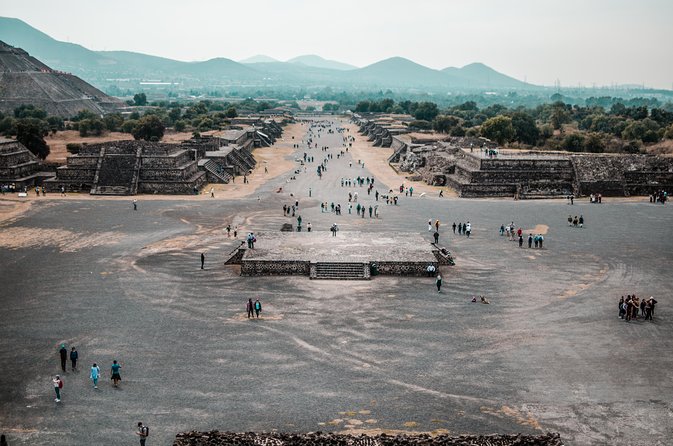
(129, 69)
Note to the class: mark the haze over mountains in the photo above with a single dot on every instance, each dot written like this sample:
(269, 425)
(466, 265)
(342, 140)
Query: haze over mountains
(129, 69)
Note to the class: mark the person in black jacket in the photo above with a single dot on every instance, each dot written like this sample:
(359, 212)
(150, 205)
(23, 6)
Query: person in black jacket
(64, 356)
(73, 358)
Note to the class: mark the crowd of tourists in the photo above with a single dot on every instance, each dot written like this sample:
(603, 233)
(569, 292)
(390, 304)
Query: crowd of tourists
(534, 241)
(633, 307)
(660, 196)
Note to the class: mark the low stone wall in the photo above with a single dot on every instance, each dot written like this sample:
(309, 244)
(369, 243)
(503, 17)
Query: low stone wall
(403, 268)
(215, 438)
(275, 268)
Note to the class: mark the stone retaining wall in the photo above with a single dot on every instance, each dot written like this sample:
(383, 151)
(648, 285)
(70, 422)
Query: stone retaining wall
(275, 268)
(215, 438)
(404, 268)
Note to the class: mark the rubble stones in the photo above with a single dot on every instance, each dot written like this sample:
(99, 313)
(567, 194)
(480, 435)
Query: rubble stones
(216, 438)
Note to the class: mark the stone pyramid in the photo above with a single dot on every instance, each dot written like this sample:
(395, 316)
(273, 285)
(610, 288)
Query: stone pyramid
(26, 80)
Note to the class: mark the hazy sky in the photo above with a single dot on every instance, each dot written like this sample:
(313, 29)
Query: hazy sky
(575, 41)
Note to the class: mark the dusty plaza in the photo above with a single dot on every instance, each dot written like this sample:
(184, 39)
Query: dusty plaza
(389, 354)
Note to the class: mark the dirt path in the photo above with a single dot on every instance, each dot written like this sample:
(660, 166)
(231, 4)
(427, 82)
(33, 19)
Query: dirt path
(12, 208)
(274, 159)
(376, 160)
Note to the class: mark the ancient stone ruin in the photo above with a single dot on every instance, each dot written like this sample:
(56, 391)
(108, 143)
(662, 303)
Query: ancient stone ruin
(216, 438)
(26, 80)
(131, 167)
(476, 167)
(18, 166)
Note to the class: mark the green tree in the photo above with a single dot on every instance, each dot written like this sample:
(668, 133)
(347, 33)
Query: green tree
(646, 130)
(420, 124)
(88, 127)
(232, 113)
(8, 126)
(444, 123)
(559, 115)
(426, 111)
(669, 132)
(113, 121)
(180, 126)
(594, 143)
(84, 114)
(29, 111)
(175, 114)
(457, 131)
(55, 123)
(362, 107)
(31, 132)
(573, 142)
(129, 125)
(149, 127)
(525, 129)
(139, 99)
(499, 129)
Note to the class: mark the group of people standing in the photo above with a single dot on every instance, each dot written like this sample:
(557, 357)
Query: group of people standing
(577, 222)
(534, 241)
(253, 308)
(630, 307)
(94, 374)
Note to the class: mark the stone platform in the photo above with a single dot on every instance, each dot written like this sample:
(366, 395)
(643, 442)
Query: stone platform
(349, 255)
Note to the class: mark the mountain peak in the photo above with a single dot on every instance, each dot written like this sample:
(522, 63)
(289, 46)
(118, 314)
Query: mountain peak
(259, 58)
(313, 60)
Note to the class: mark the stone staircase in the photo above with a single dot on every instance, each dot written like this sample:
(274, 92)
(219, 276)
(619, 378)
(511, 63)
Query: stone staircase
(339, 271)
(214, 170)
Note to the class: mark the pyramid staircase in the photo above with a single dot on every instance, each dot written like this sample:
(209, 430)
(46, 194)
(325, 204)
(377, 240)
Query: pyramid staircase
(214, 169)
(117, 172)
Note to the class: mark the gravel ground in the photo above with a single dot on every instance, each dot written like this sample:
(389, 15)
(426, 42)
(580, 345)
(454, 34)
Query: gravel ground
(387, 355)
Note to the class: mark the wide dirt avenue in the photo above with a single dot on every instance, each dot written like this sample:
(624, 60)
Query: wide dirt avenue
(390, 354)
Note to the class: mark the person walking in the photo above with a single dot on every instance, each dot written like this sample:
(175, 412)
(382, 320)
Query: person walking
(135, 205)
(143, 432)
(467, 229)
(438, 282)
(64, 356)
(437, 225)
(95, 374)
(530, 241)
(212, 192)
(430, 225)
(203, 259)
(58, 385)
(73, 358)
(454, 227)
(114, 371)
(258, 307)
(520, 241)
(249, 307)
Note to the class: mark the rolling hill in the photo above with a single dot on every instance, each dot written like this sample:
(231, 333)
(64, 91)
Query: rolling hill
(103, 68)
(312, 60)
(482, 75)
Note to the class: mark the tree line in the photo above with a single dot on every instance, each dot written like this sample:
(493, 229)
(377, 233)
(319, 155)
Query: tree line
(557, 125)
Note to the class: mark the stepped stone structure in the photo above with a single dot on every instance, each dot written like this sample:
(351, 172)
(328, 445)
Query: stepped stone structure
(131, 167)
(381, 129)
(350, 256)
(463, 164)
(19, 167)
(26, 80)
